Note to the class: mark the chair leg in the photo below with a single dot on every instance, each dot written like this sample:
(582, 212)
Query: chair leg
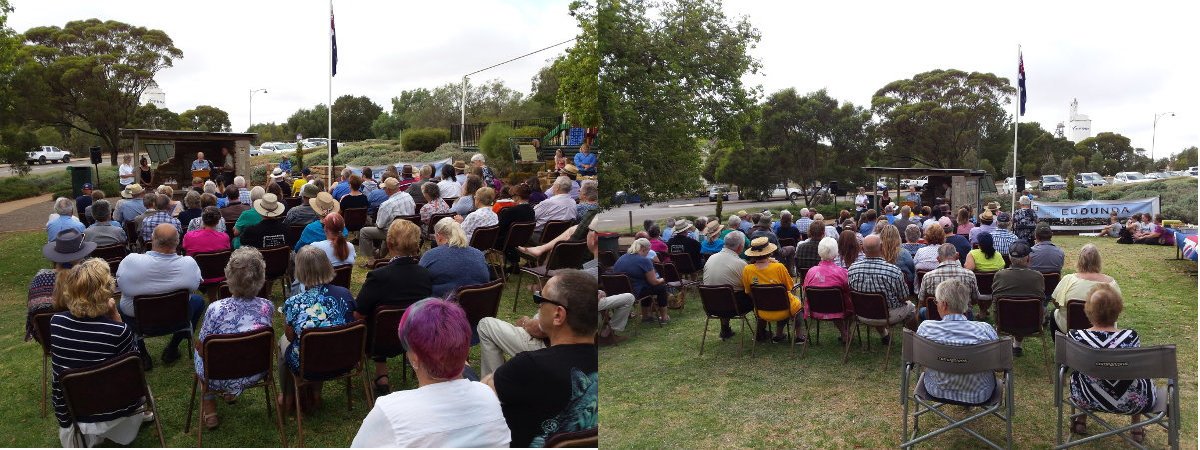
(517, 292)
(705, 335)
(158, 419)
(44, 377)
(742, 339)
(1046, 357)
(299, 413)
(807, 337)
(277, 413)
(888, 353)
(187, 423)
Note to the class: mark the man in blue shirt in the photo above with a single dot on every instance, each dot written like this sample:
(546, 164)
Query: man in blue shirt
(285, 165)
(343, 186)
(63, 219)
(953, 299)
(585, 161)
(200, 163)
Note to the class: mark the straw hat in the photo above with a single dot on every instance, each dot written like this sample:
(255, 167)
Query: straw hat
(570, 169)
(269, 206)
(131, 190)
(460, 166)
(712, 229)
(67, 246)
(760, 246)
(324, 204)
(683, 226)
(986, 216)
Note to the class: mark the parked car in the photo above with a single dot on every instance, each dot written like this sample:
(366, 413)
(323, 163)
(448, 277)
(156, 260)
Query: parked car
(1089, 179)
(315, 142)
(782, 191)
(1179, 173)
(1129, 177)
(718, 190)
(622, 197)
(919, 182)
(1194, 171)
(1158, 175)
(1052, 182)
(269, 147)
(46, 154)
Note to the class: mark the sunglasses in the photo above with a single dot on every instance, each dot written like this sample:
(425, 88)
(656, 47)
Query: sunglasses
(538, 299)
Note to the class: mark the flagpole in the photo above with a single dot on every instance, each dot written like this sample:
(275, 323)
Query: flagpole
(329, 136)
(1016, 127)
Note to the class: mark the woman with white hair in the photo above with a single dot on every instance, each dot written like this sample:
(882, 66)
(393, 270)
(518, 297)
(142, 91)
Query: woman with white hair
(211, 188)
(636, 265)
(827, 274)
(453, 263)
(243, 192)
(176, 207)
(489, 177)
(62, 219)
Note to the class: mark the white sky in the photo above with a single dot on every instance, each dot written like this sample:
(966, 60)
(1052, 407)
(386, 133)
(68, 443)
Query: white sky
(384, 47)
(1123, 61)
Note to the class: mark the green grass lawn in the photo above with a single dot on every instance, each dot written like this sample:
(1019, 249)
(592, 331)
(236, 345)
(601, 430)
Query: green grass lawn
(245, 424)
(656, 391)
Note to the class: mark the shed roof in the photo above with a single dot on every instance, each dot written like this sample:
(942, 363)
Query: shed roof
(130, 133)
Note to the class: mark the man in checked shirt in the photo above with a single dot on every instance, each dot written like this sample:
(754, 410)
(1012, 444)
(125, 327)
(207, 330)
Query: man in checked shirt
(873, 274)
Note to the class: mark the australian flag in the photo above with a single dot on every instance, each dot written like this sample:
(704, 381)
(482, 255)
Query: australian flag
(333, 38)
(1020, 77)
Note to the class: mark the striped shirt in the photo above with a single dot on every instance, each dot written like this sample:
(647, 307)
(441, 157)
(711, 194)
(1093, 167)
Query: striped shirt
(85, 342)
(955, 329)
(1003, 239)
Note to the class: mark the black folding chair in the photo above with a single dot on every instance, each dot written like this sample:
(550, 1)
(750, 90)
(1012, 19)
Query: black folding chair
(1076, 318)
(773, 298)
(1022, 317)
(341, 275)
(212, 266)
(276, 259)
(563, 255)
(163, 315)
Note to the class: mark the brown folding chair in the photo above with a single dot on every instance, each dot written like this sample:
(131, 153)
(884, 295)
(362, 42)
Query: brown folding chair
(1021, 317)
(224, 292)
(563, 255)
(871, 309)
(607, 259)
(554, 228)
(719, 302)
(293, 233)
(618, 283)
(232, 356)
(783, 242)
(479, 301)
(1050, 280)
(212, 265)
(384, 340)
(327, 354)
(920, 278)
(930, 304)
(341, 275)
(518, 235)
(450, 200)
(684, 264)
(356, 219)
(110, 252)
(107, 387)
(984, 280)
(414, 218)
(433, 220)
(113, 265)
(826, 301)
(163, 315)
(484, 238)
(670, 273)
(575, 439)
(772, 298)
(41, 333)
(277, 264)
(134, 235)
(1076, 318)
(229, 228)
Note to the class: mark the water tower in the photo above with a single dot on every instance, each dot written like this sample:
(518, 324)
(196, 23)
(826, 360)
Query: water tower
(1081, 125)
(154, 95)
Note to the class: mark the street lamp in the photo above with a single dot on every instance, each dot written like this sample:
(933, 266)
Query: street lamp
(1154, 133)
(252, 91)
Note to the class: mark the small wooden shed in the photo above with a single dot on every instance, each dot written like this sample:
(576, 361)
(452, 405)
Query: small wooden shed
(964, 185)
(180, 148)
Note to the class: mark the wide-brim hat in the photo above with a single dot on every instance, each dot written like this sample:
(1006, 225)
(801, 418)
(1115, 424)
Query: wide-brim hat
(68, 246)
(460, 166)
(269, 206)
(683, 226)
(761, 246)
(570, 169)
(131, 190)
(324, 204)
(986, 216)
(277, 173)
(713, 228)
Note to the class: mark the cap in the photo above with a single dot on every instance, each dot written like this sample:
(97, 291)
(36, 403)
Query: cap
(87, 186)
(1003, 217)
(1019, 250)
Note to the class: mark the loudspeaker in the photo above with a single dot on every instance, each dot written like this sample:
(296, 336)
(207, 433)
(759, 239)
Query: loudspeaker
(1020, 184)
(96, 157)
(833, 188)
(333, 147)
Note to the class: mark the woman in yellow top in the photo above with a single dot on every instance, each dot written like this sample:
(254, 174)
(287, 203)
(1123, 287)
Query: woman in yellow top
(985, 258)
(764, 270)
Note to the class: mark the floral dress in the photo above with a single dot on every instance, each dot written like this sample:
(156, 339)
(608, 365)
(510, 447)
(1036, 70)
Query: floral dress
(319, 306)
(1113, 396)
(233, 315)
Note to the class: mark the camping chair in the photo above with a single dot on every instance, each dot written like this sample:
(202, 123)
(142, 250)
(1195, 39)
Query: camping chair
(356, 219)
(41, 333)
(107, 387)
(1118, 364)
(719, 302)
(518, 235)
(231, 356)
(1076, 318)
(163, 315)
(826, 301)
(328, 354)
(994, 356)
(212, 266)
(554, 228)
(871, 309)
(1021, 317)
(383, 339)
(618, 283)
(292, 235)
(588, 438)
(771, 298)
(563, 255)
(277, 264)
(341, 275)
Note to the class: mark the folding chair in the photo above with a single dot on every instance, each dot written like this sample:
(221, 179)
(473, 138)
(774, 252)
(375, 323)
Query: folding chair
(826, 301)
(292, 235)
(1076, 318)
(931, 311)
(232, 356)
(920, 277)
(276, 259)
(771, 298)
(110, 252)
(984, 280)
(433, 220)
(554, 228)
(687, 268)
(670, 273)
(995, 356)
(518, 235)
(618, 283)
(479, 301)
(356, 219)
(484, 238)
(41, 333)
(575, 439)
(1118, 364)
(341, 275)
(134, 235)
(606, 259)
(212, 266)
(787, 242)
(381, 262)
(328, 354)
(383, 339)
(1051, 280)
(107, 387)
(563, 255)
(163, 315)
(291, 202)
(719, 302)
(1021, 317)
(871, 309)
(224, 292)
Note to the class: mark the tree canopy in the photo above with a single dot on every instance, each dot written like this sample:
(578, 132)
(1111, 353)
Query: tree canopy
(205, 118)
(352, 118)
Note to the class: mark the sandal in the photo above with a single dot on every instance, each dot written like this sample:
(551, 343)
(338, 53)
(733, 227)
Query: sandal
(1138, 434)
(211, 421)
(382, 389)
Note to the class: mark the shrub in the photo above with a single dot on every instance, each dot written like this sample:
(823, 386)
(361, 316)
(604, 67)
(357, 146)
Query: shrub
(495, 146)
(60, 185)
(532, 131)
(425, 139)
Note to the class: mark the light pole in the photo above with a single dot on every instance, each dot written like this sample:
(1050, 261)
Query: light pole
(1154, 134)
(252, 91)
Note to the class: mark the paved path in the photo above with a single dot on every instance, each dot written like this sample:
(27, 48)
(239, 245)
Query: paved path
(618, 218)
(29, 214)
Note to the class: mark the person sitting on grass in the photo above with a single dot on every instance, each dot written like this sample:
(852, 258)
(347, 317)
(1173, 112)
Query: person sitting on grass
(953, 300)
(830, 275)
(764, 270)
(1113, 229)
(874, 275)
(321, 305)
(437, 337)
(243, 311)
(1158, 235)
(1103, 307)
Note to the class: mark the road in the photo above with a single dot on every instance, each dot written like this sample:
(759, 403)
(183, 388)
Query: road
(47, 168)
(618, 218)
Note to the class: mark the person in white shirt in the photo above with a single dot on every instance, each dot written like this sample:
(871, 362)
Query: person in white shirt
(399, 203)
(126, 171)
(860, 202)
(482, 216)
(449, 187)
(445, 410)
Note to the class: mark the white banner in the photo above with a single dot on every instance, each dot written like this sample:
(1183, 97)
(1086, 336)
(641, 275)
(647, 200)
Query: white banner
(1095, 209)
